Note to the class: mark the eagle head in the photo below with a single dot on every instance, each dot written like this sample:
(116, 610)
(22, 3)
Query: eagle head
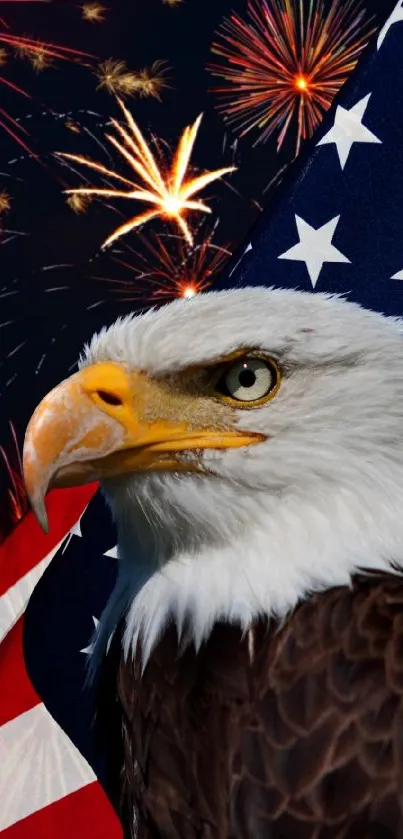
(249, 444)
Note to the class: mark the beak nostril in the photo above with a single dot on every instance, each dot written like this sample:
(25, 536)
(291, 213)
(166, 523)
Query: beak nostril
(109, 398)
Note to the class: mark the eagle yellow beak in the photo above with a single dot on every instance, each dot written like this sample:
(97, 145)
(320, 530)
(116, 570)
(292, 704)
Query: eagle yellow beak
(105, 421)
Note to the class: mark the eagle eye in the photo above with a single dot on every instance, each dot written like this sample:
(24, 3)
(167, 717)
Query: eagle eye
(109, 398)
(249, 380)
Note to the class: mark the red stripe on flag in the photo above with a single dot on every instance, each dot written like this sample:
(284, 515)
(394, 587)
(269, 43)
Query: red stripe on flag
(17, 694)
(28, 544)
(85, 814)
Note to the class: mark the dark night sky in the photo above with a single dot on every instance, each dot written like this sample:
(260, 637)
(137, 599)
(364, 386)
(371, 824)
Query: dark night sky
(45, 329)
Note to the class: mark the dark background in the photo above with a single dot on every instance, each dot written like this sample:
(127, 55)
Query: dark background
(56, 286)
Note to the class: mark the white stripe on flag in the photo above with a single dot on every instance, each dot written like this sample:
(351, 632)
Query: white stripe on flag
(38, 765)
(14, 601)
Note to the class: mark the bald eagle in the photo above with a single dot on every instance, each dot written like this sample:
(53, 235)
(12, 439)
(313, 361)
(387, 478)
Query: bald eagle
(250, 446)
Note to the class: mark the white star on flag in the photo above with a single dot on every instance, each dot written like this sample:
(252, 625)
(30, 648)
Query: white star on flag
(248, 248)
(398, 276)
(348, 129)
(113, 552)
(315, 247)
(75, 530)
(395, 17)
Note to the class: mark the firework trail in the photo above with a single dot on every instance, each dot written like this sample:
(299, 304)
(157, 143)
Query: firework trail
(167, 267)
(169, 189)
(16, 497)
(282, 67)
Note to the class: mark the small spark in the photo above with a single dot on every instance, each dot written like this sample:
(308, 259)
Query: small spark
(93, 12)
(78, 203)
(40, 60)
(72, 126)
(8, 236)
(16, 349)
(3, 56)
(5, 202)
(172, 2)
(167, 189)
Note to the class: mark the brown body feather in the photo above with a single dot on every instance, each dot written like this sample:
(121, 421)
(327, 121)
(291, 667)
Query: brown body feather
(303, 741)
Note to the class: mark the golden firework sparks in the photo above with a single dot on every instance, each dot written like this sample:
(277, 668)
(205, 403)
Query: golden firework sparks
(169, 190)
(78, 203)
(152, 80)
(40, 59)
(115, 77)
(93, 12)
(72, 126)
(3, 56)
(5, 201)
(172, 2)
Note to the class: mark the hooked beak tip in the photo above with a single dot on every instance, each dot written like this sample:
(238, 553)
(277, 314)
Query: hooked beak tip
(39, 511)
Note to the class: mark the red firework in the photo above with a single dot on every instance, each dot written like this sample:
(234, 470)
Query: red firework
(282, 67)
(167, 267)
(17, 503)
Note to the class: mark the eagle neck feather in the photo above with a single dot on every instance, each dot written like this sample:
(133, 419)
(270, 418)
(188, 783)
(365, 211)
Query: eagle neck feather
(229, 554)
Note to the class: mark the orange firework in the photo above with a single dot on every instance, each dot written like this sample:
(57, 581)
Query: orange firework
(167, 267)
(168, 189)
(283, 66)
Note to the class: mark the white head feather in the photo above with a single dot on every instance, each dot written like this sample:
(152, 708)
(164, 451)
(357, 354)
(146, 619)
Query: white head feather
(321, 498)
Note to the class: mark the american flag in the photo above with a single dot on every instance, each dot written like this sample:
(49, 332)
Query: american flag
(48, 787)
(336, 226)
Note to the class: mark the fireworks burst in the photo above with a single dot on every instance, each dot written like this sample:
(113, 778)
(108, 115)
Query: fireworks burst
(167, 267)
(93, 12)
(17, 499)
(166, 188)
(115, 77)
(284, 65)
